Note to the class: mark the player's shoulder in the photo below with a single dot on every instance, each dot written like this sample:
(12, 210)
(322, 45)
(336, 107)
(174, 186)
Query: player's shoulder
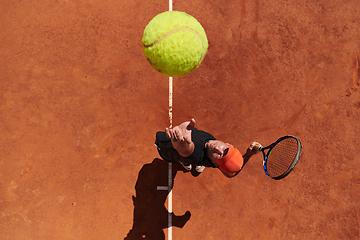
(161, 136)
(203, 135)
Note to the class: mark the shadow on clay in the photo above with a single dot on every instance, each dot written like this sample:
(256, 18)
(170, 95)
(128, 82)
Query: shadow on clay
(150, 214)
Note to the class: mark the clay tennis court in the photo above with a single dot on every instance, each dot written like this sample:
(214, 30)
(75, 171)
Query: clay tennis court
(80, 106)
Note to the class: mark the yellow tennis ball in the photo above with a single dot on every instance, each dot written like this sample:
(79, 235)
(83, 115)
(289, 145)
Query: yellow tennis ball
(174, 43)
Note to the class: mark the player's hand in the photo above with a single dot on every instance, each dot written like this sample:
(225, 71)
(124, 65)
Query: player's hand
(181, 138)
(182, 132)
(254, 147)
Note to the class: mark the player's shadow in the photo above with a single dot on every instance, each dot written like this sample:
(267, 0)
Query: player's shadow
(150, 214)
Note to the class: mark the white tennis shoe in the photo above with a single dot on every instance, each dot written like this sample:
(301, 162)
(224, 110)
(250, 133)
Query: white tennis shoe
(199, 169)
(187, 166)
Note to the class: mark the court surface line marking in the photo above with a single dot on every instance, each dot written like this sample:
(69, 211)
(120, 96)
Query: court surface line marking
(170, 164)
(170, 180)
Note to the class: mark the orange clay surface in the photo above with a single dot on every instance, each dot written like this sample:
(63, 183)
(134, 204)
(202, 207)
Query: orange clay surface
(80, 106)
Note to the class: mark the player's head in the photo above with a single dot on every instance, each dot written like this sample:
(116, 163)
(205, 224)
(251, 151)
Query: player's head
(224, 156)
(216, 149)
(232, 161)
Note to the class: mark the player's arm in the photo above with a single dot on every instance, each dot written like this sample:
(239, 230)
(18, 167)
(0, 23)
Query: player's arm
(252, 150)
(181, 138)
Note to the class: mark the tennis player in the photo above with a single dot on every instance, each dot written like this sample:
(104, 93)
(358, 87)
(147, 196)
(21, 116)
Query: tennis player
(192, 147)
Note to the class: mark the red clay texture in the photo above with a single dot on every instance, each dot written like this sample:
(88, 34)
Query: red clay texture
(80, 106)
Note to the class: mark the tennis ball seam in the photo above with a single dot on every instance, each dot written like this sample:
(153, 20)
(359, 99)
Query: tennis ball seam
(173, 31)
(176, 30)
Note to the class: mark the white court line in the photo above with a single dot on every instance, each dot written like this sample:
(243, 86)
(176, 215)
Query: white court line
(170, 180)
(170, 99)
(169, 186)
(170, 164)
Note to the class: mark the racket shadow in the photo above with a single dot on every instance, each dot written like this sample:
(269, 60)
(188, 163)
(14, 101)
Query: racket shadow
(150, 213)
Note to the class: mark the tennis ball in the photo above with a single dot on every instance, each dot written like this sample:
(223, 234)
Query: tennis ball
(174, 43)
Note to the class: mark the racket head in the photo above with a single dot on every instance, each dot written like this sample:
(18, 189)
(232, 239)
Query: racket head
(282, 156)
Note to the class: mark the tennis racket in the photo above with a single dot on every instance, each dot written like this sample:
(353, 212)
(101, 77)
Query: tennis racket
(281, 157)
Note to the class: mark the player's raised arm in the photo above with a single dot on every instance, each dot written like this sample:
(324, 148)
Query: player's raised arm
(181, 137)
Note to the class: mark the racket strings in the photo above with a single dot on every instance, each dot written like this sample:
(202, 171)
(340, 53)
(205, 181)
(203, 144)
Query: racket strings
(281, 157)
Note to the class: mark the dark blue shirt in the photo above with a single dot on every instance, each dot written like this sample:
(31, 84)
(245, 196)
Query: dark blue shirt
(198, 157)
